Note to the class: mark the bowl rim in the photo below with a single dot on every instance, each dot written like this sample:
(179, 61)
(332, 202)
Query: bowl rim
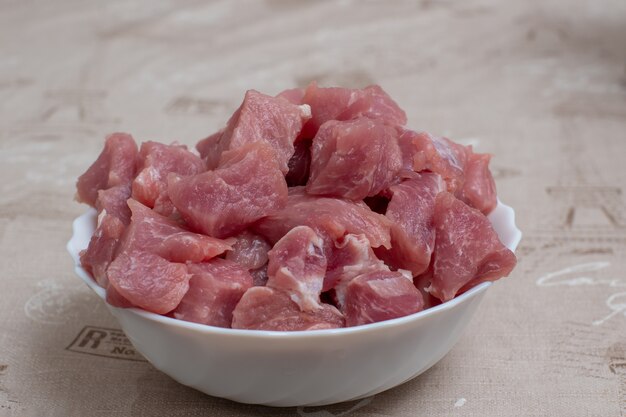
(90, 215)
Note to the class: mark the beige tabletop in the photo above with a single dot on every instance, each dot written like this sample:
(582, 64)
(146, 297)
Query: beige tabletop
(540, 84)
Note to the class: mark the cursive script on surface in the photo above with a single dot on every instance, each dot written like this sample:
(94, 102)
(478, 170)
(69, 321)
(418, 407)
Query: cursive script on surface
(615, 302)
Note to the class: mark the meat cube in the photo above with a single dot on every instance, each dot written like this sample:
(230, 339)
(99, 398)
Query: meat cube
(113, 202)
(353, 159)
(155, 161)
(297, 265)
(411, 209)
(467, 249)
(293, 95)
(247, 186)
(102, 247)
(215, 288)
(249, 250)
(378, 296)
(260, 118)
(115, 166)
(331, 218)
(263, 308)
(151, 232)
(149, 281)
(337, 103)
(479, 188)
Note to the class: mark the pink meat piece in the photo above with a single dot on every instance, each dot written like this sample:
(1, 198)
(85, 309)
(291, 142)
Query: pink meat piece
(215, 288)
(249, 250)
(411, 210)
(297, 265)
(378, 296)
(112, 201)
(115, 166)
(479, 188)
(330, 217)
(299, 164)
(149, 281)
(151, 232)
(422, 151)
(247, 186)
(337, 103)
(467, 249)
(352, 256)
(102, 247)
(293, 95)
(156, 160)
(422, 282)
(353, 159)
(263, 308)
(260, 118)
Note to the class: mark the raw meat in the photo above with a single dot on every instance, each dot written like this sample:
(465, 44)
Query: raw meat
(331, 217)
(263, 308)
(351, 257)
(422, 151)
(102, 247)
(115, 298)
(151, 232)
(249, 250)
(411, 210)
(378, 296)
(156, 160)
(149, 281)
(337, 103)
(114, 166)
(467, 249)
(247, 186)
(353, 159)
(293, 95)
(260, 118)
(113, 202)
(297, 265)
(209, 149)
(259, 276)
(215, 288)
(479, 188)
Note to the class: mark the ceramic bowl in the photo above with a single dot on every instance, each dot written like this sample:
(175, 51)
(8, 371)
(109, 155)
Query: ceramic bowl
(303, 368)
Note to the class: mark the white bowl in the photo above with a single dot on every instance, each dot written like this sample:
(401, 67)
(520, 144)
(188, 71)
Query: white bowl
(303, 368)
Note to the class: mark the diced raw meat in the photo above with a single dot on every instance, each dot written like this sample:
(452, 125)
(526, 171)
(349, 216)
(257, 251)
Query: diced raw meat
(353, 159)
(149, 281)
(156, 160)
(115, 166)
(299, 164)
(151, 232)
(293, 95)
(297, 265)
(260, 118)
(215, 288)
(411, 209)
(249, 250)
(378, 296)
(479, 189)
(422, 151)
(422, 282)
(337, 103)
(263, 308)
(113, 202)
(332, 218)
(467, 249)
(102, 247)
(247, 186)
(210, 150)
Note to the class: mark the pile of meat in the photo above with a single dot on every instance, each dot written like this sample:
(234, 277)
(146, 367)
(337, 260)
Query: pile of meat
(313, 209)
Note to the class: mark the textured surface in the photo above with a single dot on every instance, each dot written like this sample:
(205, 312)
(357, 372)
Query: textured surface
(542, 85)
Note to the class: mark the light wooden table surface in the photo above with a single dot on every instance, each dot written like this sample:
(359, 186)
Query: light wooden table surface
(540, 84)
